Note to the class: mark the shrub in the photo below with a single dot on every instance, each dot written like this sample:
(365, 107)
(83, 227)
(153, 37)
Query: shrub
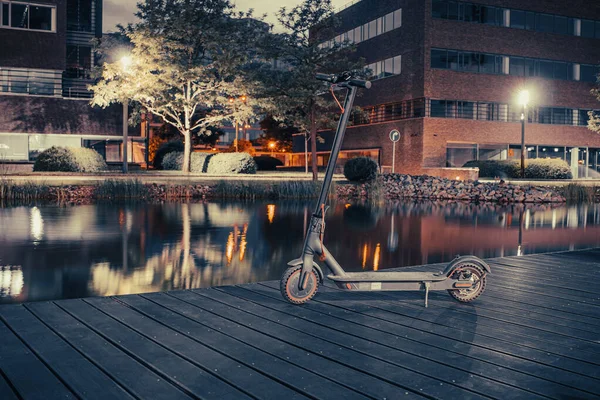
(540, 168)
(495, 168)
(174, 162)
(547, 168)
(69, 159)
(164, 149)
(153, 146)
(88, 160)
(360, 169)
(231, 163)
(267, 163)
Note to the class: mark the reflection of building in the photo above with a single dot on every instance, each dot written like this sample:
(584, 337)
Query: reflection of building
(45, 65)
(447, 75)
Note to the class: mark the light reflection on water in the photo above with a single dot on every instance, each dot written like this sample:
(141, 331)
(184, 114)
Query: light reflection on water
(54, 252)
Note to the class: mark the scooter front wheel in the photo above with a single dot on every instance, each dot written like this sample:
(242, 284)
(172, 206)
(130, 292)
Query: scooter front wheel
(290, 282)
(468, 273)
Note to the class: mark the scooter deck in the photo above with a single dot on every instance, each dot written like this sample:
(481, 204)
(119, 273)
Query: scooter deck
(398, 276)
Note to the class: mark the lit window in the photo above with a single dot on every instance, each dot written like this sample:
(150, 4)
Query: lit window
(397, 18)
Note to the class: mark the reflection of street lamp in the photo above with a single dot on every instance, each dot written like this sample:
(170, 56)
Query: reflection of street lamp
(126, 62)
(272, 147)
(523, 100)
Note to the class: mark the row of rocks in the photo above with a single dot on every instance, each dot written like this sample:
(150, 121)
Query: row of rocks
(396, 186)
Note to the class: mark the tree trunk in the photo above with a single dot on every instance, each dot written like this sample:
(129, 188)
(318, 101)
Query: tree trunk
(313, 144)
(187, 151)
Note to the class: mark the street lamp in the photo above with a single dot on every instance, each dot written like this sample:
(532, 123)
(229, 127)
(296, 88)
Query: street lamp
(272, 147)
(523, 100)
(126, 62)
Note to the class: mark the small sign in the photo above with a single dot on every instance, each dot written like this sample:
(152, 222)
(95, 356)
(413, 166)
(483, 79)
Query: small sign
(394, 135)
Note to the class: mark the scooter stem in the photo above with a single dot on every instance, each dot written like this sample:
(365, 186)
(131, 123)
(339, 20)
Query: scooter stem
(316, 227)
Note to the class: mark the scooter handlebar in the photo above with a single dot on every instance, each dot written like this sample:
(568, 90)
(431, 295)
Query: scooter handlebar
(344, 78)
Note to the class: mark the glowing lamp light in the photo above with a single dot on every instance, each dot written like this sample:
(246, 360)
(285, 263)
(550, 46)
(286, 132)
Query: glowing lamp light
(458, 178)
(556, 149)
(524, 97)
(126, 62)
(272, 145)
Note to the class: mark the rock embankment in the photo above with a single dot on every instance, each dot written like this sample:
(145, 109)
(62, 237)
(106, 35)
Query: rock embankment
(396, 186)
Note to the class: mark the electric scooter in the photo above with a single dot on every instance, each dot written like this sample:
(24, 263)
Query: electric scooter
(464, 278)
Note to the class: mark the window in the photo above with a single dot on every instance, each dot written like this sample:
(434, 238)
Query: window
(561, 25)
(79, 61)
(573, 27)
(439, 59)
(490, 64)
(529, 20)
(588, 73)
(488, 15)
(79, 15)
(458, 154)
(388, 22)
(544, 23)
(5, 14)
(452, 10)
(357, 34)
(597, 29)
(470, 62)
(438, 109)
(471, 13)
(584, 117)
(19, 15)
(545, 69)
(439, 9)
(544, 115)
(587, 28)
(397, 65)
(466, 109)
(397, 18)
(372, 29)
(517, 19)
(560, 70)
(560, 116)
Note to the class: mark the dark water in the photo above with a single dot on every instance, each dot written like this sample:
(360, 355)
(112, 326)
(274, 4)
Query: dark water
(54, 252)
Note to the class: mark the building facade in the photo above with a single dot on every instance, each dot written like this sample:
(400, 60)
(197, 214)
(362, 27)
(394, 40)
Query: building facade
(46, 58)
(447, 74)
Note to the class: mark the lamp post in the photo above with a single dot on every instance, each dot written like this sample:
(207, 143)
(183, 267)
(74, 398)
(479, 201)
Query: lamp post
(523, 100)
(272, 147)
(125, 63)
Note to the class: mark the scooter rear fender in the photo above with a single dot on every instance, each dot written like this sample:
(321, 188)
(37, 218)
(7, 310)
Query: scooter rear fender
(298, 261)
(466, 259)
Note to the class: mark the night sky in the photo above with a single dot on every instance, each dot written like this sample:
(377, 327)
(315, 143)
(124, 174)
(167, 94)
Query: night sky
(121, 11)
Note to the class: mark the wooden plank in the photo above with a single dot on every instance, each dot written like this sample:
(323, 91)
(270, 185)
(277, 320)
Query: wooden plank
(444, 337)
(512, 370)
(301, 380)
(237, 375)
(81, 376)
(551, 265)
(366, 384)
(118, 365)
(496, 331)
(6, 392)
(19, 364)
(370, 357)
(190, 377)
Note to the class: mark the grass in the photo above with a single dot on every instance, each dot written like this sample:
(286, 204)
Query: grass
(26, 192)
(575, 193)
(263, 190)
(112, 189)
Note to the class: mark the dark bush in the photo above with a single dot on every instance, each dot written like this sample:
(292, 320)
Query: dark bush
(69, 159)
(540, 168)
(173, 161)
(231, 163)
(267, 163)
(164, 149)
(360, 169)
(547, 168)
(494, 168)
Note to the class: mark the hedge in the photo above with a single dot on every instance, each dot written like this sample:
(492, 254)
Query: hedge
(360, 169)
(267, 163)
(218, 164)
(69, 159)
(164, 149)
(540, 168)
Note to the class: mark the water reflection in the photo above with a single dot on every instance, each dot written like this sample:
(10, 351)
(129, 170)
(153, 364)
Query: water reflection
(52, 252)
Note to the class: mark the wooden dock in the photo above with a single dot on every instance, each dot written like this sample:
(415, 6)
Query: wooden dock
(535, 333)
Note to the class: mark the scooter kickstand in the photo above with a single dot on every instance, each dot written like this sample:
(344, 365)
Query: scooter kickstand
(426, 293)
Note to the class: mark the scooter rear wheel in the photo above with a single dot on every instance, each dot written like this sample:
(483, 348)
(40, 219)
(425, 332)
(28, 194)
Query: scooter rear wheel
(471, 272)
(289, 285)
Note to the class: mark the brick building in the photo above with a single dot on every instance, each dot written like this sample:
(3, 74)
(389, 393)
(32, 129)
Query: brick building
(447, 75)
(46, 59)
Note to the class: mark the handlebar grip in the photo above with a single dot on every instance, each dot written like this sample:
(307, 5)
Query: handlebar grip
(360, 83)
(326, 77)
